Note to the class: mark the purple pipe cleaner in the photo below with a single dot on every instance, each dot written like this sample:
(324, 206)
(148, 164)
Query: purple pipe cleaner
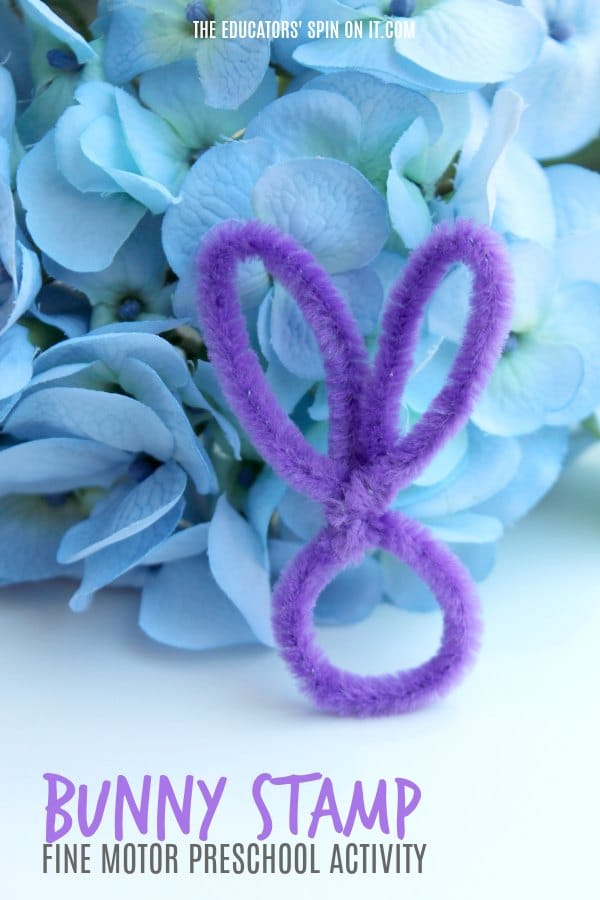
(367, 461)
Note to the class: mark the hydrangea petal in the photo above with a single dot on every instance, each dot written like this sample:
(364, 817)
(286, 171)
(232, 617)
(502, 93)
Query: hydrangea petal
(15, 48)
(30, 281)
(93, 376)
(141, 380)
(477, 41)
(8, 104)
(114, 345)
(101, 144)
(40, 528)
(373, 99)
(57, 465)
(523, 200)
(71, 160)
(409, 146)
(575, 319)
(185, 543)
(287, 388)
(108, 418)
(363, 291)
(377, 58)
(21, 276)
(280, 553)
(408, 210)
(454, 113)
(41, 15)
(293, 339)
(182, 606)
(232, 68)
(478, 558)
(92, 227)
(60, 307)
(140, 265)
(466, 527)
(542, 457)
(263, 498)
(113, 561)
(328, 206)
(158, 153)
(301, 515)
(535, 282)
(527, 385)
(193, 397)
(175, 93)
(16, 361)
(137, 42)
(484, 470)
(121, 517)
(565, 77)
(216, 188)
(45, 109)
(405, 589)
(444, 462)
(236, 561)
(310, 123)
(429, 377)
(475, 196)
(576, 198)
(351, 596)
(449, 304)
(8, 224)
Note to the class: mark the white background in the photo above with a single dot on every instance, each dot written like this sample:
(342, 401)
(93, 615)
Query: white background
(508, 764)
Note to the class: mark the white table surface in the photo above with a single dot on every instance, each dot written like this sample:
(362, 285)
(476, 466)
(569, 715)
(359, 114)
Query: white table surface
(508, 764)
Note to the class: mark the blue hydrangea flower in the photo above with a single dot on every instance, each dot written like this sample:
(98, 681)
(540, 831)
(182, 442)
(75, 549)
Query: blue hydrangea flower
(97, 455)
(495, 181)
(175, 94)
(61, 60)
(133, 288)
(549, 372)
(250, 179)
(143, 35)
(348, 119)
(320, 154)
(455, 45)
(93, 177)
(194, 598)
(561, 88)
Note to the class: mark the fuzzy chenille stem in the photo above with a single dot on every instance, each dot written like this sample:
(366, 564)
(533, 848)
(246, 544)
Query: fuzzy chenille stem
(367, 462)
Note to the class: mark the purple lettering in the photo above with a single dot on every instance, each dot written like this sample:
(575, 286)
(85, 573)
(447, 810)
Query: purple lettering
(378, 810)
(326, 806)
(212, 802)
(406, 808)
(54, 809)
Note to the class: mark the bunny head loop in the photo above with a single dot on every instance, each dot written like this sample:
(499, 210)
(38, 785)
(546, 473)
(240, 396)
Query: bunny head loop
(367, 461)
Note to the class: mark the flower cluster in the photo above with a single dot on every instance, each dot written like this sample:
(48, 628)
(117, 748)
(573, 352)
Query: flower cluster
(123, 141)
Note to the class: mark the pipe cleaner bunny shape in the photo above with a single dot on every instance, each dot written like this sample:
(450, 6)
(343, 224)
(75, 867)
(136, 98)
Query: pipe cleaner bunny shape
(368, 462)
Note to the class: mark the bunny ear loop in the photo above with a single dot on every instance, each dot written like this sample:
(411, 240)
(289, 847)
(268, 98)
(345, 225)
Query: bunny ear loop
(367, 462)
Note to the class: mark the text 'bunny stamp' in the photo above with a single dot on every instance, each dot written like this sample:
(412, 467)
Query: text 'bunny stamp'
(368, 462)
